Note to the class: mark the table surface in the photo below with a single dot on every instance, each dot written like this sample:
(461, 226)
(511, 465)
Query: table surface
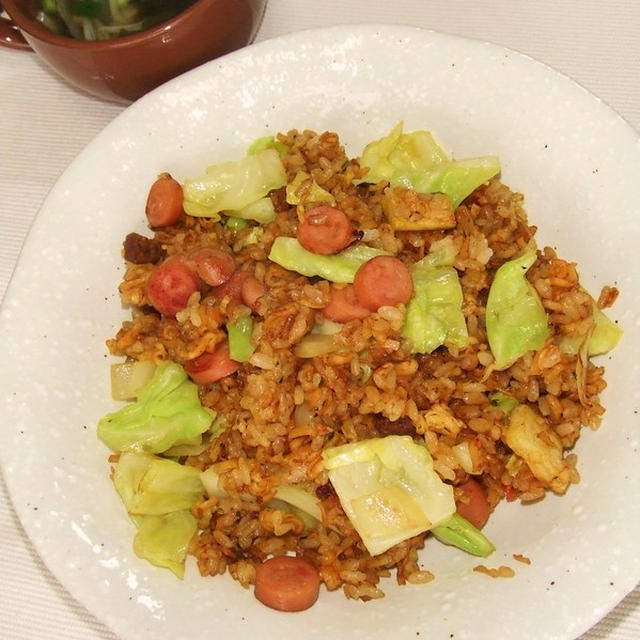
(46, 123)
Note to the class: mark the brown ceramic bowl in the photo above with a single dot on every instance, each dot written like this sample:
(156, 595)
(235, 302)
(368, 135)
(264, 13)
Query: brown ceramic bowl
(123, 69)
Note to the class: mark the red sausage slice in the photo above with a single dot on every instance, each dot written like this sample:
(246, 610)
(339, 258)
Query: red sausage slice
(171, 284)
(325, 230)
(344, 306)
(214, 266)
(211, 367)
(287, 583)
(472, 503)
(233, 286)
(164, 202)
(383, 280)
(251, 291)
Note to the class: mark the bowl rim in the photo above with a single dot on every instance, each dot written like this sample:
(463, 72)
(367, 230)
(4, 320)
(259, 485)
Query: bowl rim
(31, 27)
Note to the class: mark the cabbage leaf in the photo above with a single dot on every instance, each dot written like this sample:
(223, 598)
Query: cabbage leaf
(415, 161)
(150, 485)
(434, 314)
(267, 142)
(164, 540)
(158, 495)
(605, 336)
(167, 412)
(261, 210)
(399, 153)
(240, 345)
(303, 189)
(516, 320)
(456, 178)
(232, 186)
(339, 267)
(388, 488)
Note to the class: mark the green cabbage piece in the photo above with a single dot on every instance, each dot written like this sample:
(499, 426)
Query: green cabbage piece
(232, 186)
(459, 532)
(158, 495)
(299, 502)
(457, 178)
(388, 488)
(167, 412)
(315, 194)
(503, 401)
(239, 332)
(434, 314)
(340, 267)
(399, 153)
(150, 485)
(261, 211)
(415, 161)
(267, 142)
(164, 540)
(235, 223)
(605, 336)
(515, 318)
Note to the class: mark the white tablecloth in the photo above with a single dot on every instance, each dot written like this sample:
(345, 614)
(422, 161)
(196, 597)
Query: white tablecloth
(45, 123)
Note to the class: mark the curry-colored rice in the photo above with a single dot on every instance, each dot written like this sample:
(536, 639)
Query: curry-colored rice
(281, 411)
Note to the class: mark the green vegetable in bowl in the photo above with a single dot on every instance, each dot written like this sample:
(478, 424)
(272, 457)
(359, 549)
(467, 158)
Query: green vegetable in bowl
(106, 19)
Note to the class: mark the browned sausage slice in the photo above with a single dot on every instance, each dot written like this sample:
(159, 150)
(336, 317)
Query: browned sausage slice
(287, 583)
(344, 306)
(211, 367)
(164, 202)
(233, 286)
(251, 291)
(171, 284)
(383, 280)
(214, 266)
(325, 230)
(472, 503)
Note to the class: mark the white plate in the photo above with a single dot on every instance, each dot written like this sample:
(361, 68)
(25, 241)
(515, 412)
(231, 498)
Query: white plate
(576, 161)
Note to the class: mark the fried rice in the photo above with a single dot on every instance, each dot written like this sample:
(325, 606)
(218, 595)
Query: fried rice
(281, 411)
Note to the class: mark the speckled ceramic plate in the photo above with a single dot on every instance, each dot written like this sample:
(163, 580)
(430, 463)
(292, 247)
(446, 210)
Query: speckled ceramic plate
(578, 164)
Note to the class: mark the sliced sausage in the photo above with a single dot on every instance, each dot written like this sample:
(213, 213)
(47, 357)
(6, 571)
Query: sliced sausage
(251, 291)
(233, 286)
(171, 284)
(381, 281)
(142, 250)
(472, 503)
(287, 583)
(164, 202)
(343, 305)
(325, 230)
(214, 266)
(211, 367)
